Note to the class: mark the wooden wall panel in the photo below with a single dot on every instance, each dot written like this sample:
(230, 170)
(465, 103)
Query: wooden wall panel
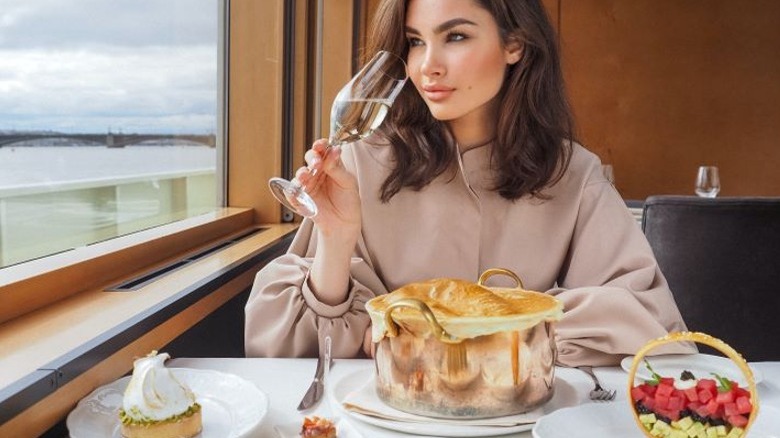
(255, 93)
(302, 86)
(553, 10)
(660, 87)
(337, 53)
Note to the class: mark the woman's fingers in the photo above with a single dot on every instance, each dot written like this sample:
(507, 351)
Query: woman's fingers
(320, 145)
(315, 155)
(307, 179)
(323, 159)
(323, 162)
(313, 158)
(334, 167)
(302, 175)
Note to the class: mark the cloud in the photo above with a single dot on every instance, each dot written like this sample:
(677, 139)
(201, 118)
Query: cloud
(141, 66)
(49, 24)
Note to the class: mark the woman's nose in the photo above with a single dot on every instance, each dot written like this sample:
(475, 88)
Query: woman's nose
(432, 65)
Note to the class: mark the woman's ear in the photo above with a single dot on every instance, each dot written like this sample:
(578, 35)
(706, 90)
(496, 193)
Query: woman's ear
(513, 50)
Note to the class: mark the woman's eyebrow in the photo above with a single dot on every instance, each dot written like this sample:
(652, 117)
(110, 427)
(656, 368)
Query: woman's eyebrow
(447, 25)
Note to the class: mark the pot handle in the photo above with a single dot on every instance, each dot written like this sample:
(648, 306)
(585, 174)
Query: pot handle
(436, 328)
(499, 271)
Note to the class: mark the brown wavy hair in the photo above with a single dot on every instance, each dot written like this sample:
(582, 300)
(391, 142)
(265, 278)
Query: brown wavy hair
(535, 127)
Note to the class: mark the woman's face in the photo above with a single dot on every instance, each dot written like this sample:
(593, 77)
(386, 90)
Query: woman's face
(457, 60)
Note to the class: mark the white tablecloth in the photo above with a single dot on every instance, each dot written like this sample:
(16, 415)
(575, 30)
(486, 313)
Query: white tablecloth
(284, 381)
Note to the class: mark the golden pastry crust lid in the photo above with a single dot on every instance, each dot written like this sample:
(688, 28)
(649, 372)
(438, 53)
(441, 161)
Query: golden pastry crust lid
(451, 298)
(465, 309)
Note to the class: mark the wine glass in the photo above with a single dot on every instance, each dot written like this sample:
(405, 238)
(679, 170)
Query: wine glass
(357, 111)
(707, 182)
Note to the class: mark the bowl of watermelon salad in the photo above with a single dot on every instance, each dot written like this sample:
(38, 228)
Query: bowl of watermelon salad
(691, 406)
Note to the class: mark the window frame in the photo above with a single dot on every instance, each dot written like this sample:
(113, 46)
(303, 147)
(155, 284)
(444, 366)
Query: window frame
(91, 236)
(30, 285)
(35, 291)
(249, 29)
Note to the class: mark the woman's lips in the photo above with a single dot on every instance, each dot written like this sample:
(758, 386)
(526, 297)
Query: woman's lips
(436, 93)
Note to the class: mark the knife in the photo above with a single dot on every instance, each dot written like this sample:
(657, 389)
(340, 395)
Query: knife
(317, 387)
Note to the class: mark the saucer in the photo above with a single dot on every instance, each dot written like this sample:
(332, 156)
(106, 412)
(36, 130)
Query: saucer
(232, 407)
(565, 395)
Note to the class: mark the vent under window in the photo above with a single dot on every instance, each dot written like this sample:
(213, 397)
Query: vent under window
(154, 275)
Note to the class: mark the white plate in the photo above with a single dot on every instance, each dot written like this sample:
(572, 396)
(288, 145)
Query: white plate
(701, 365)
(615, 419)
(565, 395)
(232, 406)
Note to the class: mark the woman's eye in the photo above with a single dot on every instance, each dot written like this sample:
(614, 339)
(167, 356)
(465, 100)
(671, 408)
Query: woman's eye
(413, 42)
(454, 36)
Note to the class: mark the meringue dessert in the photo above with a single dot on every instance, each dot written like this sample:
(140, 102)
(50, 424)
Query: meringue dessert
(156, 404)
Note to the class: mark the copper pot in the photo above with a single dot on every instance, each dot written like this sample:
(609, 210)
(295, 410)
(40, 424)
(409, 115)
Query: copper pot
(433, 361)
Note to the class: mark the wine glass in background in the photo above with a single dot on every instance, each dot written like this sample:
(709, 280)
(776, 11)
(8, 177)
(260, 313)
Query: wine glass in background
(357, 111)
(707, 182)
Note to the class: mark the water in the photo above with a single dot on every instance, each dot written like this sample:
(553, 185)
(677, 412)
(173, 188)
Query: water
(29, 166)
(53, 198)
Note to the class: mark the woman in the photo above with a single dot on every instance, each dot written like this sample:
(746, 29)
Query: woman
(474, 168)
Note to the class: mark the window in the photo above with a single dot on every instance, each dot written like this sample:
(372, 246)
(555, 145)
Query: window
(109, 119)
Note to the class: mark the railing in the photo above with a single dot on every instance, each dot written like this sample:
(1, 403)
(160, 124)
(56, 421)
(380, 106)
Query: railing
(42, 219)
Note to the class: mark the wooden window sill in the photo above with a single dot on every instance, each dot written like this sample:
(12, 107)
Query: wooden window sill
(55, 355)
(29, 286)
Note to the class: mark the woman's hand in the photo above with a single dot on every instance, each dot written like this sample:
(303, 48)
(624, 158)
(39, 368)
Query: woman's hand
(338, 220)
(333, 189)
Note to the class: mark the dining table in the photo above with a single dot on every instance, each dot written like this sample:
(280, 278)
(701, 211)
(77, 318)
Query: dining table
(284, 381)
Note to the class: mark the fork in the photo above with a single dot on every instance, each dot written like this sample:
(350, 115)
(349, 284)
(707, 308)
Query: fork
(598, 393)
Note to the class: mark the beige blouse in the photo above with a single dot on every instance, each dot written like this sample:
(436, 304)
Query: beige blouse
(582, 245)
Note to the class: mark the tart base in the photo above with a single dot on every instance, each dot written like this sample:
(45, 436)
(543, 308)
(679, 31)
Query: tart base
(186, 427)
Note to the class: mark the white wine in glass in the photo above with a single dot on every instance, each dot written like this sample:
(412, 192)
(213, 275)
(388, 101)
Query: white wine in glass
(707, 182)
(357, 111)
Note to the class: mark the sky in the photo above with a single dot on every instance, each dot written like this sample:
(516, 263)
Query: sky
(145, 66)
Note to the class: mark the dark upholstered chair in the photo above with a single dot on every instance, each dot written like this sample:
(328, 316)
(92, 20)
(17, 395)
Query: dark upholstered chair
(721, 257)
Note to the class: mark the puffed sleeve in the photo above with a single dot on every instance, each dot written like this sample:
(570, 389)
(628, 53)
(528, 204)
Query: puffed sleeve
(285, 319)
(615, 296)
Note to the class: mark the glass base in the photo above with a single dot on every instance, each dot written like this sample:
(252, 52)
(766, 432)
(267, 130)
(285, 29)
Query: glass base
(707, 193)
(292, 196)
